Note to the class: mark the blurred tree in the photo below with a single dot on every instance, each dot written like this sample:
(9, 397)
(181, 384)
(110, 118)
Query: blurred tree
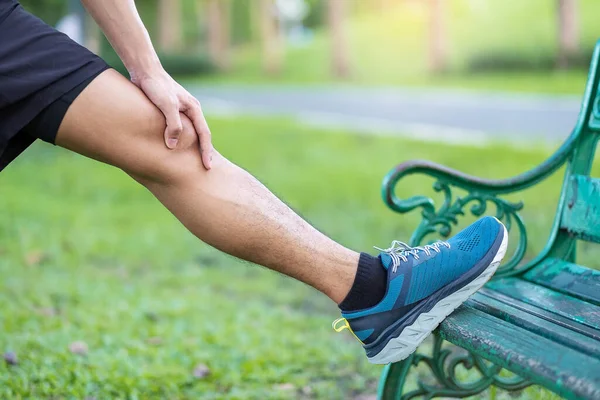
(93, 35)
(337, 18)
(316, 13)
(169, 25)
(218, 16)
(568, 31)
(270, 34)
(241, 22)
(50, 11)
(438, 44)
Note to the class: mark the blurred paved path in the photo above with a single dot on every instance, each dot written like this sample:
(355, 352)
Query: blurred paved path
(450, 116)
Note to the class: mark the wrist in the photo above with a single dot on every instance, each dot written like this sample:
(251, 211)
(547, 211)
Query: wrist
(143, 67)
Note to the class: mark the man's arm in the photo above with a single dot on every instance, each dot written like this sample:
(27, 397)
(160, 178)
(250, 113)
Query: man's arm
(121, 23)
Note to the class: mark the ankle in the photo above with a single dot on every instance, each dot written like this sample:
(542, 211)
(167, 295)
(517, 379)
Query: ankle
(337, 283)
(368, 286)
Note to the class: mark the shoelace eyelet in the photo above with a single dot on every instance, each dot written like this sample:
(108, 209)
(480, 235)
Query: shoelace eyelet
(398, 251)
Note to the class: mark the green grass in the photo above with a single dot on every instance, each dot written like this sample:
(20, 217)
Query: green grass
(88, 255)
(390, 48)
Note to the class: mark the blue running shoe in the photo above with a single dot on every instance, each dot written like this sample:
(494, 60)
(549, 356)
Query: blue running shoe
(425, 284)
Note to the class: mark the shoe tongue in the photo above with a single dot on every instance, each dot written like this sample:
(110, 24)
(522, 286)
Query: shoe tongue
(386, 260)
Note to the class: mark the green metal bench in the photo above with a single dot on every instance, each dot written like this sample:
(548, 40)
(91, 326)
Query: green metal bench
(539, 319)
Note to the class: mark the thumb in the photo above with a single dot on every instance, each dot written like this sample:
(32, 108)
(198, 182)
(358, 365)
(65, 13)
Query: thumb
(174, 126)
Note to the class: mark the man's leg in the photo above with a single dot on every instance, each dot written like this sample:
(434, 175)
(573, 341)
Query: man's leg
(391, 303)
(112, 121)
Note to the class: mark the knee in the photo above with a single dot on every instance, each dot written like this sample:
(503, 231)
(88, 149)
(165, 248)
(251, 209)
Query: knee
(171, 166)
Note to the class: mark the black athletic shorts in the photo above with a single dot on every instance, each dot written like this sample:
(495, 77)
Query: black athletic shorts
(42, 71)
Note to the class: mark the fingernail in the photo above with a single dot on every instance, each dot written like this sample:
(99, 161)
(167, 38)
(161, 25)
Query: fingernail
(171, 143)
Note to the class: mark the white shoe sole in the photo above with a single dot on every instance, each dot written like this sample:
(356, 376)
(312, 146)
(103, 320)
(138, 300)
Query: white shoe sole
(398, 349)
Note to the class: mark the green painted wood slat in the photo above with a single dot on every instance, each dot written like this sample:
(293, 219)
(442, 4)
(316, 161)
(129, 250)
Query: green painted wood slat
(581, 216)
(554, 302)
(559, 368)
(556, 328)
(569, 278)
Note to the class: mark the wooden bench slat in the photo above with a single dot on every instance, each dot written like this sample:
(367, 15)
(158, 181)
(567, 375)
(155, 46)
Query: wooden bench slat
(558, 329)
(565, 277)
(561, 369)
(566, 306)
(581, 214)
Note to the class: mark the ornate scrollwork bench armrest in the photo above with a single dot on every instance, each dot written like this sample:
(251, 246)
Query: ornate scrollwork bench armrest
(479, 192)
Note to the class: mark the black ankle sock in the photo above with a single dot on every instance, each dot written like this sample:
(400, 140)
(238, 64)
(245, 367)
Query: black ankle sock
(369, 284)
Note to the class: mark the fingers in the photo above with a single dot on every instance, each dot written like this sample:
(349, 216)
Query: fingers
(194, 113)
(174, 126)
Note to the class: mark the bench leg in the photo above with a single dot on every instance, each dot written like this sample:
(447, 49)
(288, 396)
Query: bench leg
(393, 378)
(441, 377)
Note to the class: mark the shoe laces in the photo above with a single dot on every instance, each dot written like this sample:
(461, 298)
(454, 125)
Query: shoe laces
(400, 251)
